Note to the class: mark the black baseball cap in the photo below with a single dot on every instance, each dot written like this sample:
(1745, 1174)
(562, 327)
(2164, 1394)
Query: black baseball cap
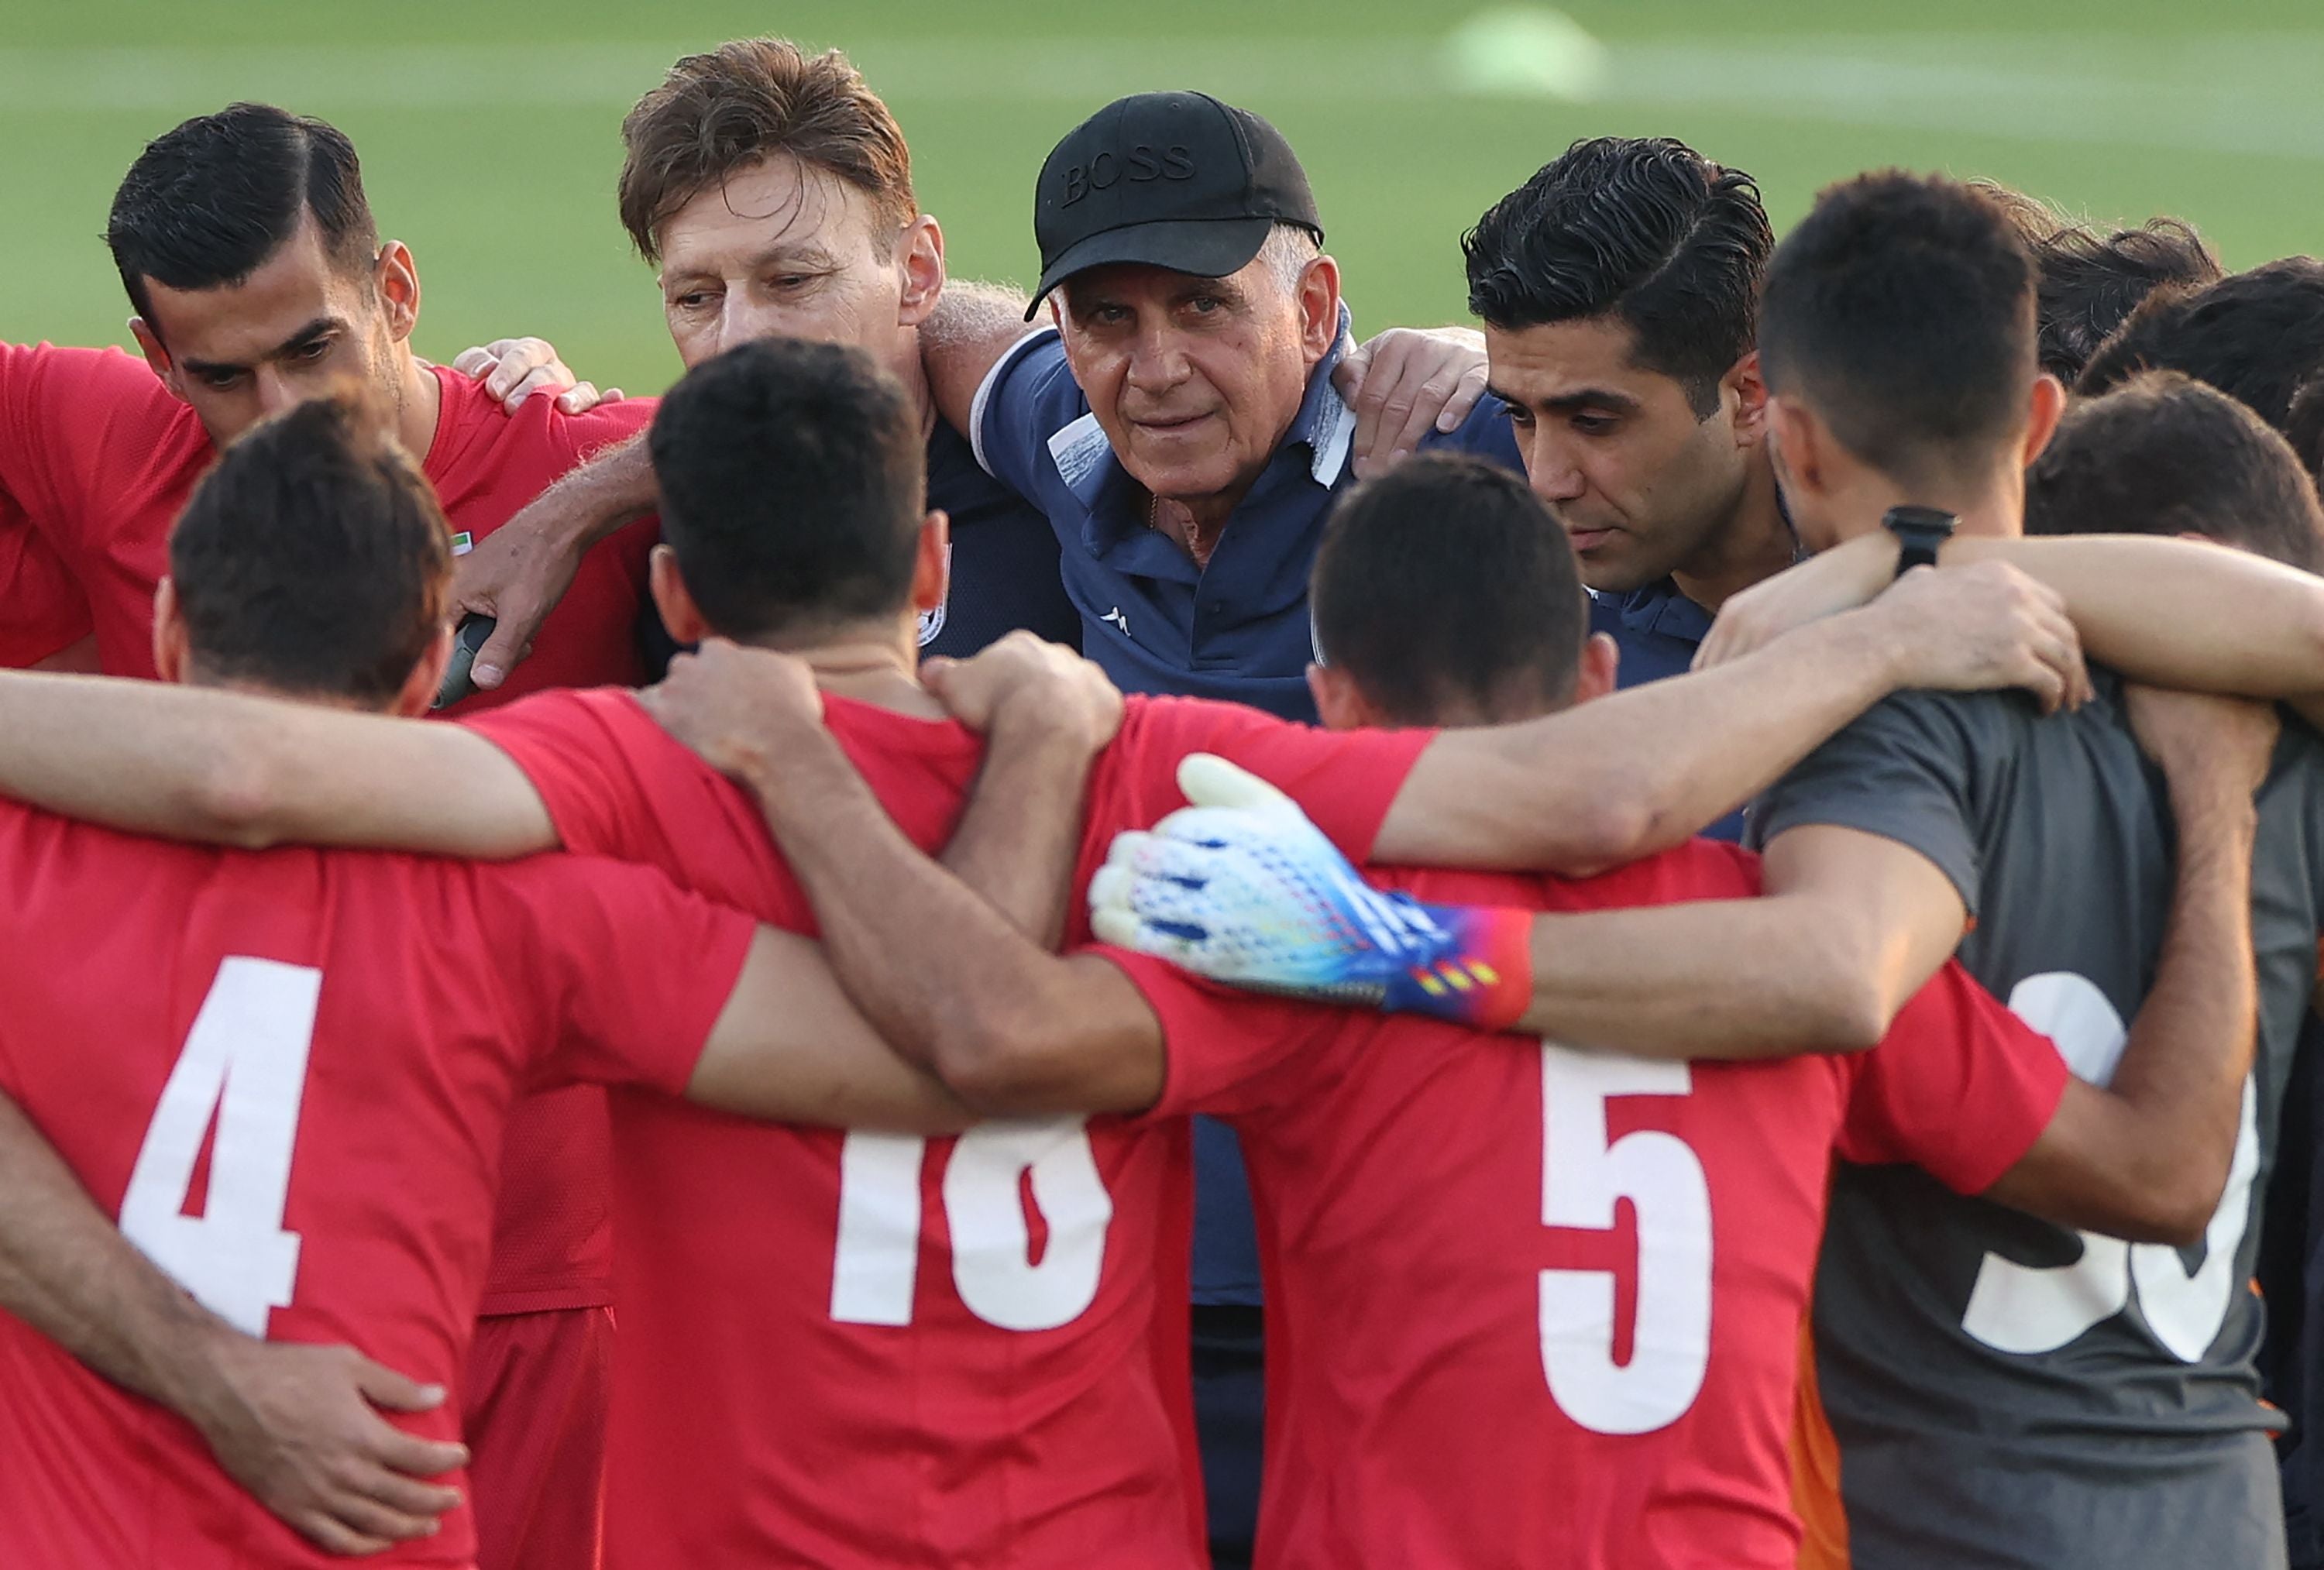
(1171, 179)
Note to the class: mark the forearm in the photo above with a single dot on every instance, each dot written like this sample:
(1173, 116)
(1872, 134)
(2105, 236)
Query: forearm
(139, 755)
(921, 954)
(2191, 1046)
(1018, 841)
(2178, 613)
(2147, 1157)
(1731, 979)
(1639, 771)
(67, 1272)
(971, 326)
(593, 501)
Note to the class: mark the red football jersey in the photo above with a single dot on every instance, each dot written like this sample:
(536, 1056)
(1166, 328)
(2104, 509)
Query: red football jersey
(866, 1349)
(1530, 1305)
(101, 458)
(41, 609)
(287, 1074)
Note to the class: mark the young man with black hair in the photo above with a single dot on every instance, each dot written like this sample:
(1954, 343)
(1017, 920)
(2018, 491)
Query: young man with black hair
(823, 1452)
(1458, 1393)
(2255, 335)
(2003, 1393)
(249, 252)
(301, 1039)
(1620, 290)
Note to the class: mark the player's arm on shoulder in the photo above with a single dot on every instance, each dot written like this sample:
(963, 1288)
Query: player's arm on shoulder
(2178, 612)
(789, 1047)
(974, 324)
(2146, 1156)
(948, 980)
(1611, 780)
(293, 1423)
(238, 768)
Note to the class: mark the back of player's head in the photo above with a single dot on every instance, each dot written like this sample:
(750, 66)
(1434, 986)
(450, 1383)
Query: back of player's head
(2303, 427)
(793, 481)
(720, 113)
(1901, 312)
(2168, 455)
(2255, 335)
(313, 559)
(1642, 229)
(1447, 592)
(2091, 281)
(206, 203)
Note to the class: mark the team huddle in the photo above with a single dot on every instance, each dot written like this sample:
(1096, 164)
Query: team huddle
(1111, 929)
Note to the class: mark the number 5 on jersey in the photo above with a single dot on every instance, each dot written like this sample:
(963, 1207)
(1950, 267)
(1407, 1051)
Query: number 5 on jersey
(243, 1069)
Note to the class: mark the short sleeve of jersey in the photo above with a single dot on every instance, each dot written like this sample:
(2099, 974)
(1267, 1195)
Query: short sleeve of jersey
(570, 745)
(1026, 398)
(1344, 780)
(43, 389)
(1225, 1051)
(631, 972)
(1960, 1086)
(1902, 771)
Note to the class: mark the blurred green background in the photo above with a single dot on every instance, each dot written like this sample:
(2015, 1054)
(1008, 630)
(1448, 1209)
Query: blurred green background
(490, 131)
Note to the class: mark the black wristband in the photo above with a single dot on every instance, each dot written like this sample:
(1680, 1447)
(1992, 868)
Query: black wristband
(1920, 531)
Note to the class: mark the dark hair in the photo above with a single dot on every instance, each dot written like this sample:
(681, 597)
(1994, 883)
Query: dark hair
(717, 114)
(793, 482)
(1901, 310)
(2303, 427)
(1644, 229)
(206, 204)
(2255, 335)
(2165, 454)
(313, 558)
(2090, 282)
(1446, 584)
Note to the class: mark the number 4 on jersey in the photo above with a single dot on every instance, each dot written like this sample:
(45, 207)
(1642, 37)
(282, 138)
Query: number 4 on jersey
(244, 1070)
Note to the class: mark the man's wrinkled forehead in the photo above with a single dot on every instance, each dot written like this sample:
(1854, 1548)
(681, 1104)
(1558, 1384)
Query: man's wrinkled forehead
(1124, 282)
(777, 206)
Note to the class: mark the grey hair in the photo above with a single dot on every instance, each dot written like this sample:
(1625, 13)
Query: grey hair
(1287, 251)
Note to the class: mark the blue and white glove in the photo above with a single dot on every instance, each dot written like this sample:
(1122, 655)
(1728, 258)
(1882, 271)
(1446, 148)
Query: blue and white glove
(1242, 888)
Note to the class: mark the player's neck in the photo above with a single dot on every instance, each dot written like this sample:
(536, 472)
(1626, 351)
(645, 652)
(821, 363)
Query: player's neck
(905, 366)
(1753, 545)
(1989, 506)
(868, 666)
(420, 403)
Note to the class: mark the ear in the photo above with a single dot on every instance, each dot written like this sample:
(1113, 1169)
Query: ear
(921, 248)
(1601, 664)
(172, 649)
(2042, 411)
(149, 342)
(397, 277)
(932, 567)
(427, 678)
(1318, 297)
(1750, 391)
(1339, 703)
(1799, 437)
(679, 613)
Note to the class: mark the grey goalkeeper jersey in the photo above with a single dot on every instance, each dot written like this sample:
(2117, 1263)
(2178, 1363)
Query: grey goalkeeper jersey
(2006, 1392)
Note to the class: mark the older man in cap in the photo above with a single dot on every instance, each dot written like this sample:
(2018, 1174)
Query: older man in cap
(1180, 427)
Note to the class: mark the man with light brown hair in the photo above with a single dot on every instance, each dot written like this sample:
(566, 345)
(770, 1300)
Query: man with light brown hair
(773, 191)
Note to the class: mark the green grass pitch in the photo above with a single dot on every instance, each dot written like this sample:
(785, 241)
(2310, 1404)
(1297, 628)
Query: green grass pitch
(489, 128)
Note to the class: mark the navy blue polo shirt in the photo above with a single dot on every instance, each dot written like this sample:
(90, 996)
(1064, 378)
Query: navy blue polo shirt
(1658, 629)
(1005, 559)
(1156, 623)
